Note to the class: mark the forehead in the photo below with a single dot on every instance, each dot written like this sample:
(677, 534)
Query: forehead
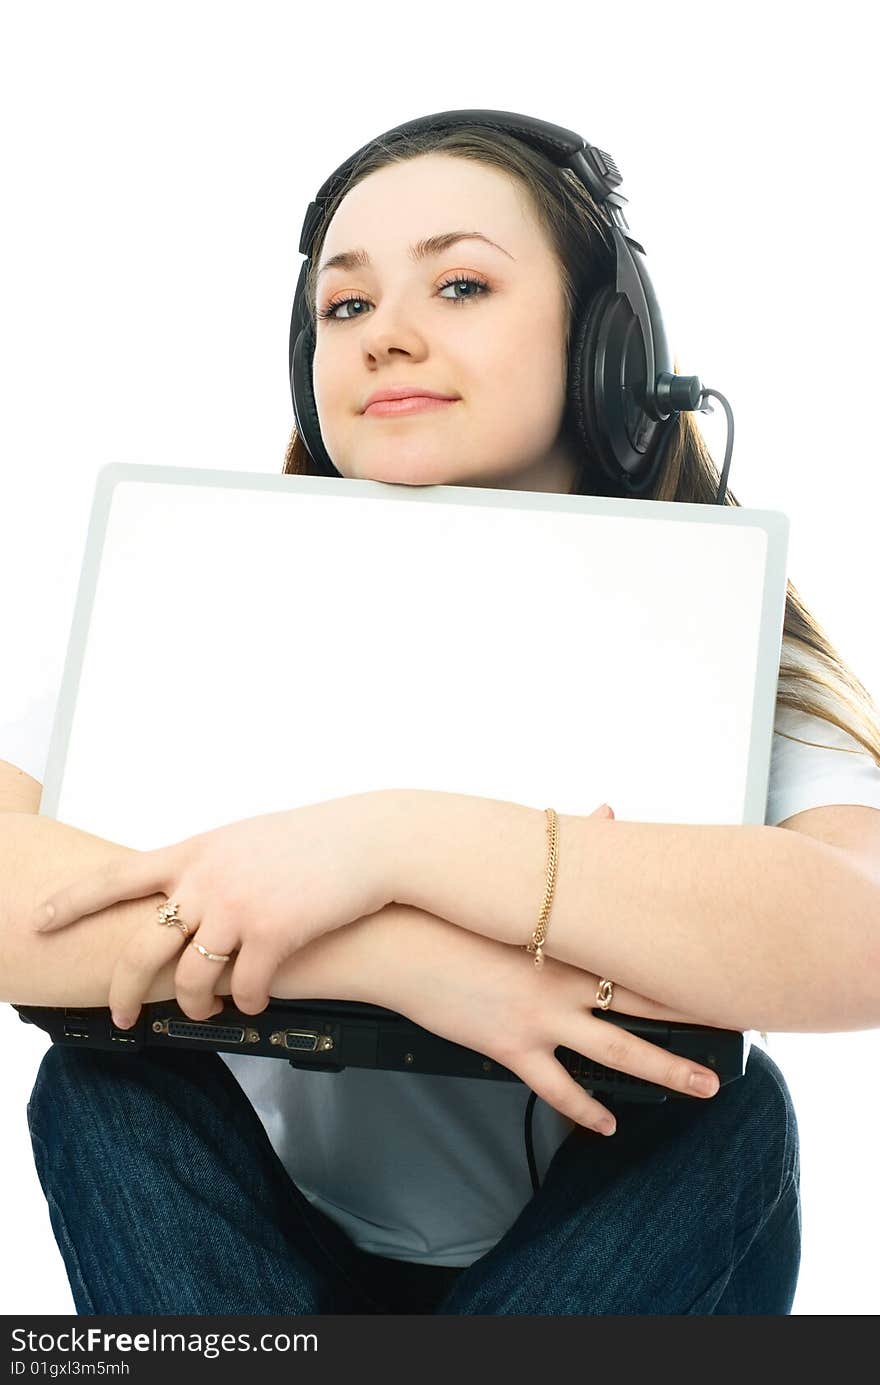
(402, 202)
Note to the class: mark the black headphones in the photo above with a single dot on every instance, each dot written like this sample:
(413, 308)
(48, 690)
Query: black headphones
(622, 387)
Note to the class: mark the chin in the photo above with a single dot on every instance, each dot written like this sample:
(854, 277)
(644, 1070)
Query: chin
(407, 472)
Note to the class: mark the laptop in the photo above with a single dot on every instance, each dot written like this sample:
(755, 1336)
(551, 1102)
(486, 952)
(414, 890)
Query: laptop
(455, 638)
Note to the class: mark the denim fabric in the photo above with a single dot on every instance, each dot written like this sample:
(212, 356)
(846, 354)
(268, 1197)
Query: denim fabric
(166, 1197)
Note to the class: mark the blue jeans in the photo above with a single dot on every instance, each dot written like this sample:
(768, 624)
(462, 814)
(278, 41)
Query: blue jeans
(166, 1197)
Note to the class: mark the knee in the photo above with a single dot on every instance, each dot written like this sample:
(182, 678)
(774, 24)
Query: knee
(132, 1095)
(768, 1114)
(60, 1090)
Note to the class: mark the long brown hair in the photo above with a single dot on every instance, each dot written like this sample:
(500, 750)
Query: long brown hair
(581, 239)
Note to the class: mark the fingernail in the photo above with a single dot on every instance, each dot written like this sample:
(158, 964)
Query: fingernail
(701, 1082)
(43, 916)
(121, 1021)
(607, 1126)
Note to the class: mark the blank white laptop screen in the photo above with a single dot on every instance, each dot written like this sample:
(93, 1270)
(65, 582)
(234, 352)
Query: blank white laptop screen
(243, 643)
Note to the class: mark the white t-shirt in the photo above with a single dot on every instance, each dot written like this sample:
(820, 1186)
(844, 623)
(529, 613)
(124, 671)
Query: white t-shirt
(433, 1169)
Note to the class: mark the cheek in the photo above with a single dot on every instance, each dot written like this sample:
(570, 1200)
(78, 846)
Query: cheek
(530, 380)
(533, 342)
(330, 366)
(335, 401)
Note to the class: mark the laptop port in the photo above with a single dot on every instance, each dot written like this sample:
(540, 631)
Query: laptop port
(302, 1040)
(76, 1025)
(203, 1029)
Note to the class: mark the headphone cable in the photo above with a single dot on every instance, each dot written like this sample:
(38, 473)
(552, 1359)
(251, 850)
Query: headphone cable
(706, 408)
(530, 1152)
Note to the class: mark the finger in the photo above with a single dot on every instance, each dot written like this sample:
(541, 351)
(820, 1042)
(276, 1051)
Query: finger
(142, 958)
(132, 877)
(197, 976)
(617, 1048)
(255, 968)
(548, 1079)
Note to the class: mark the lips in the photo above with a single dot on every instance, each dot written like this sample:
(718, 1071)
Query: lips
(405, 392)
(410, 404)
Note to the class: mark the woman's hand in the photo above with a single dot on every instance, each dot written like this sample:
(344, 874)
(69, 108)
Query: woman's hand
(488, 996)
(264, 887)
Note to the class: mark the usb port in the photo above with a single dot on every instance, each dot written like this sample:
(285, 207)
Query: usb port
(76, 1025)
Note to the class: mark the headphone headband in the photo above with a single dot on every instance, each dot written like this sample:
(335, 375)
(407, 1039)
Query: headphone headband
(596, 168)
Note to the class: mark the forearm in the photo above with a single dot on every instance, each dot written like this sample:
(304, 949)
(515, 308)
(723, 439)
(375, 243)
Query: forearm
(746, 927)
(384, 959)
(74, 965)
(37, 855)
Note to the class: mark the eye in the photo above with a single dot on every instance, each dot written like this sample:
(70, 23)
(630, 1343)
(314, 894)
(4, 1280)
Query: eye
(466, 279)
(328, 314)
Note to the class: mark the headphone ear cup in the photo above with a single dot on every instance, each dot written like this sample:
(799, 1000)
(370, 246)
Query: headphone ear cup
(607, 380)
(304, 406)
(581, 391)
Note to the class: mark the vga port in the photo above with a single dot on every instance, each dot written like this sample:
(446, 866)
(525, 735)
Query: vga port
(302, 1040)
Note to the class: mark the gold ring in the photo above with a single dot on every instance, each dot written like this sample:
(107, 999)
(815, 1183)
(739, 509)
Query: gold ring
(168, 915)
(604, 994)
(212, 956)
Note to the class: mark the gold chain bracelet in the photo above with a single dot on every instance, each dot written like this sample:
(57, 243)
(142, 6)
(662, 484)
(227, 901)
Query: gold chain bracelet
(537, 943)
(605, 993)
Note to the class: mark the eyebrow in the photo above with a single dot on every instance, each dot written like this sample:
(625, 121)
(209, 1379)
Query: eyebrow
(421, 250)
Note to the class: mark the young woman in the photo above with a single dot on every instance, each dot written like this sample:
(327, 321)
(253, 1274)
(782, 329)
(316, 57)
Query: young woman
(206, 1183)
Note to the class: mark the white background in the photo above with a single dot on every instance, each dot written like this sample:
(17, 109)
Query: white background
(156, 165)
